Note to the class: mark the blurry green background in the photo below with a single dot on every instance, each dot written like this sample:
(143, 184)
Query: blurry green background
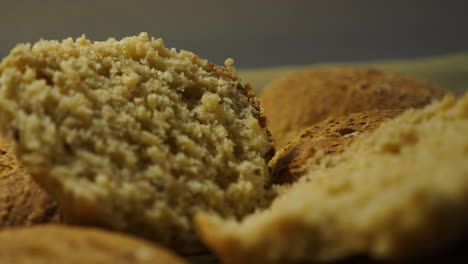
(255, 33)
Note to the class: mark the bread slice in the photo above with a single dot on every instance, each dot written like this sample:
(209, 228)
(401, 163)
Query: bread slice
(133, 136)
(22, 201)
(399, 192)
(76, 245)
(307, 97)
(330, 137)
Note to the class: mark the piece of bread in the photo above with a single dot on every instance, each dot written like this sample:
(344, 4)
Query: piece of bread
(78, 245)
(135, 137)
(331, 136)
(304, 98)
(396, 193)
(22, 201)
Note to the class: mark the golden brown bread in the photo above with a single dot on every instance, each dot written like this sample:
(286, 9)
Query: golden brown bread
(22, 201)
(133, 136)
(77, 245)
(397, 193)
(304, 98)
(331, 136)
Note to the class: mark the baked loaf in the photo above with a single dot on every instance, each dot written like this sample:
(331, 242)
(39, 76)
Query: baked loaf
(330, 137)
(398, 192)
(22, 201)
(76, 245)
(304, 98)
(133, 136)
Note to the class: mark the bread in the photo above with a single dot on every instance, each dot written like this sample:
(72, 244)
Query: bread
(396, 193)
(330, 137)
(306, 97)
(132, 136)
(22, 201)
(77, 245)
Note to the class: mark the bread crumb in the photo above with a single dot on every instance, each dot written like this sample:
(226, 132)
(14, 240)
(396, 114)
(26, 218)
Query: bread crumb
(229, 62)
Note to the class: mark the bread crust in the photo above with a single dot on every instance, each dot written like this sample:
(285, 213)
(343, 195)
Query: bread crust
(76, 245)
(22, 201)
(330, 137)
(306, 97)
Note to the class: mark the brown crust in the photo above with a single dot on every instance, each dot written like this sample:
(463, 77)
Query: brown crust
(22, 201)
(306, 97)
(65, 244)
(331, 136)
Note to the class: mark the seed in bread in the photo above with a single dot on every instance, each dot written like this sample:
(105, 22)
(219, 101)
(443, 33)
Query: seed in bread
(331, 136)
(133, 136)
(22, 201)
(306, 97)
(396, 193)
(76, 245)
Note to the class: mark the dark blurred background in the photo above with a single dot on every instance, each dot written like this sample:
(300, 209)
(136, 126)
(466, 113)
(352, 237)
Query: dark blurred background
(255, 33)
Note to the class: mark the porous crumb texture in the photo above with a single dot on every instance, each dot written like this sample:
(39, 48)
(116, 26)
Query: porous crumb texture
(76, 245)
(22, 201)
(398, 192)
(330, 137)
(304, 98)
(133, 136)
